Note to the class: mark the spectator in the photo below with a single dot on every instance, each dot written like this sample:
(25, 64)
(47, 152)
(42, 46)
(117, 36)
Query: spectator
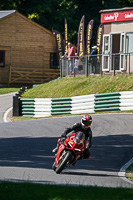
(93, 58)
(94, 50)
(70, 53)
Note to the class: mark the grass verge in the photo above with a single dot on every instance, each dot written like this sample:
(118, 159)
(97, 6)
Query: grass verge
(68, 87)
(8, 90)
(129, 172)
(28, 191)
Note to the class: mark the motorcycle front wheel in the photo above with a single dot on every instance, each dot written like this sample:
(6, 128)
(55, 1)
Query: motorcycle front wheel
(63, 163)
(54, 166)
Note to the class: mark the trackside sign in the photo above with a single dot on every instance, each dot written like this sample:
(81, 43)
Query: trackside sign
(117, 16)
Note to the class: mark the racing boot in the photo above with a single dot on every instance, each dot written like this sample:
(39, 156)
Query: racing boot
(73, 164)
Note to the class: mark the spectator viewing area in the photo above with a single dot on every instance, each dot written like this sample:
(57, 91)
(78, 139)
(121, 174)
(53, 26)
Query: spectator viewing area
(117, 49)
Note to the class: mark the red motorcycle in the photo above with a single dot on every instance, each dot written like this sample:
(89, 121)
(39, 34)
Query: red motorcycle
(69, 151)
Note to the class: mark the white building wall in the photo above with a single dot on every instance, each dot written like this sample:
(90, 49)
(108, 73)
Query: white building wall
(122, 27)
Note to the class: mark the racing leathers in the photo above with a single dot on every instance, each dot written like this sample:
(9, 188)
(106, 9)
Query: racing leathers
(88, 137)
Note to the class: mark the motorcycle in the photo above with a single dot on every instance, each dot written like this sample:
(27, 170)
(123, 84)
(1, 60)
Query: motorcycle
(69, 151)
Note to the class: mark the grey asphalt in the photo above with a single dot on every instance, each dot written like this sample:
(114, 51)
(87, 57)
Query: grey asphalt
(6, 102)
(25, 151)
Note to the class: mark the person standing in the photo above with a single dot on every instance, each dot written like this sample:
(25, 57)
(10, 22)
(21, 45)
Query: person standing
(70, 53)
(93, 58)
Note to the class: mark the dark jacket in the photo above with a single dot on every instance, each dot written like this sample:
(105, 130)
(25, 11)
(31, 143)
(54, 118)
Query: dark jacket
(78, 127)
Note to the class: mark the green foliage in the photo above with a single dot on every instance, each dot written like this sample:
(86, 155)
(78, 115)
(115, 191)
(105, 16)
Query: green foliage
(129, 172)
(51, 14)
(126, 3)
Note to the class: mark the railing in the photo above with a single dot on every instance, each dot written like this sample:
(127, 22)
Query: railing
(97, 64)
(82, 65)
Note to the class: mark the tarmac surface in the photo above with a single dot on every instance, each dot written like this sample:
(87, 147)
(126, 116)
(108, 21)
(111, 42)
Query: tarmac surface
(6, 103)
(26, 150)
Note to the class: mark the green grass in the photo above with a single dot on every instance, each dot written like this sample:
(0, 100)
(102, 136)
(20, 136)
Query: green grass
(8, 90)
(28, 191)
(129, 172)
(68, 87)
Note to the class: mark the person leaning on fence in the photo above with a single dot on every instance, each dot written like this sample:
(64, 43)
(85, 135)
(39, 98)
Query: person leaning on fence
(70, 53)
(93, 57)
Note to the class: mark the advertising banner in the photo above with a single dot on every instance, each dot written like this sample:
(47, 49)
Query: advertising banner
(59, 45)
(66, 39)
(99, 40)
(117, 16)
(89, 36)
(80, 45)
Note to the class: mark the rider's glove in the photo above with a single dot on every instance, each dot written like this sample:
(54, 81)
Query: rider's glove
(62, 139)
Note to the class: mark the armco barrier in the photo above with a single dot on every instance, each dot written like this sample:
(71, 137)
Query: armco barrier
(82, 104)
(61, 106)
(126, 101)
(27, 107)
(38, 107)
(44, 107)
(107, 102)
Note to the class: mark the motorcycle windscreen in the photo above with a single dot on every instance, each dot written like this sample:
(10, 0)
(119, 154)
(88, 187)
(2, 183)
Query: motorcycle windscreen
(79, 137)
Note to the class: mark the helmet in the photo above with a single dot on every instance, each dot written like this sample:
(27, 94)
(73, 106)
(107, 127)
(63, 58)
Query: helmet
(86, 121)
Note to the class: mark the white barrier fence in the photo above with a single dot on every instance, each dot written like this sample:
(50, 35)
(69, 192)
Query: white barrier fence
(44, 107)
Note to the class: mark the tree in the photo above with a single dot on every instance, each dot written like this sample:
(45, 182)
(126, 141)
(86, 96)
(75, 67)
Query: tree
(126, 3)
(51, 14)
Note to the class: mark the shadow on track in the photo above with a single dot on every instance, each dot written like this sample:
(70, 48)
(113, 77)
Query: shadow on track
(108, 153)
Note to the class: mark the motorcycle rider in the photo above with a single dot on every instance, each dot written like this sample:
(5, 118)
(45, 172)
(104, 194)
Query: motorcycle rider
(83, 126)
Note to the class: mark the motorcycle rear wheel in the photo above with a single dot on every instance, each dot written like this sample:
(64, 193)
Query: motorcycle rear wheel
(62, 165)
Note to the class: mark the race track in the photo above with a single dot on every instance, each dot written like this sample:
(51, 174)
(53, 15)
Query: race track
(6, 102)
(25, 151)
